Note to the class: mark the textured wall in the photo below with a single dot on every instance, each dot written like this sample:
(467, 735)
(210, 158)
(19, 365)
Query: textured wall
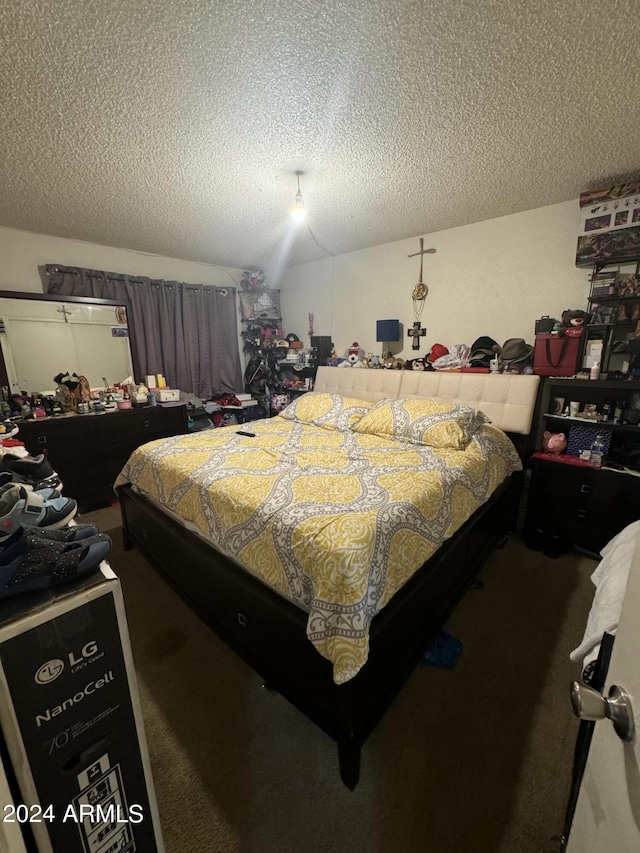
(21, 253)
(490, 278)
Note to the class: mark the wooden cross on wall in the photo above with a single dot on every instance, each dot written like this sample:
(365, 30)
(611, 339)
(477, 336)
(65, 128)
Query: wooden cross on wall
(416, 332)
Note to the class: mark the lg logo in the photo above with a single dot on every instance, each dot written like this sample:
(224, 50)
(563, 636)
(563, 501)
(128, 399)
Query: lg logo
(49, 671)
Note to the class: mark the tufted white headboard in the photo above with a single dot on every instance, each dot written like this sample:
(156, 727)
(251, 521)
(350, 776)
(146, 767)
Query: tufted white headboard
(508, 400)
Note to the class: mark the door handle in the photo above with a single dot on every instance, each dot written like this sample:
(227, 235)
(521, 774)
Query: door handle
(588, 704)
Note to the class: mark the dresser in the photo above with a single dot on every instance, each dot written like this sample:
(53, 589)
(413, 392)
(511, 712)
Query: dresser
(88, 451)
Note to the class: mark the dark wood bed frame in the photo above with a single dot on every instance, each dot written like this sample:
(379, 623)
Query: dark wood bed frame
(268, 631)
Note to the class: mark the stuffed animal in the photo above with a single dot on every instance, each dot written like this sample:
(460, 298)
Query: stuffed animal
(392, 363)
(354, 356)
(572, 323)
(374, 361)
(554, 442)
(418, 364)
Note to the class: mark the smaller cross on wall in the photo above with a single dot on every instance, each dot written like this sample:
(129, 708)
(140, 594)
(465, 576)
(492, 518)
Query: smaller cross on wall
(416, 332)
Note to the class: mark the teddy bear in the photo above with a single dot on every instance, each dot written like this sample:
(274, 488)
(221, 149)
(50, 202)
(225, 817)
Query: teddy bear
(572, 323)
(554, 442)
(354, 356)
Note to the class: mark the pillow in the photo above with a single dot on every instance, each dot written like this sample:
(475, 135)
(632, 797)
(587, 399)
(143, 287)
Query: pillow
(331, 411)
(436, 423)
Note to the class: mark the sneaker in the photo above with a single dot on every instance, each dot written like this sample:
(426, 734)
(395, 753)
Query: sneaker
(8, 428)
(9, 477)
(72, 533)
(19, 507)
(32, 467)
(47, 494)
(29, 563)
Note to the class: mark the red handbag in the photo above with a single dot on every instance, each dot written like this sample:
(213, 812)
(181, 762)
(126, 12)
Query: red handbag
(556, 356)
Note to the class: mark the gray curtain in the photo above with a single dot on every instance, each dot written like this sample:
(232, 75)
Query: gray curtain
(188, 332)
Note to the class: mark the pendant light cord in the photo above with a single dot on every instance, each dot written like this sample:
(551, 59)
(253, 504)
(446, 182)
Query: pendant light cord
(320, 246)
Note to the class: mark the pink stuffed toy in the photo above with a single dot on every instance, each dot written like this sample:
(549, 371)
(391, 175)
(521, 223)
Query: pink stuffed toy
(554, 442)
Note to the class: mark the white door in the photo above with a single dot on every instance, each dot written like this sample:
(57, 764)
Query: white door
(608, 811)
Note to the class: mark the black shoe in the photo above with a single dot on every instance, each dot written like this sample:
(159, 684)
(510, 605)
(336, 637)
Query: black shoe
(32, 467)
(52, 482)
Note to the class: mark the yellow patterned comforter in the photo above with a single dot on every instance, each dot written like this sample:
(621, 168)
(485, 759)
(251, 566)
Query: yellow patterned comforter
(333, 520)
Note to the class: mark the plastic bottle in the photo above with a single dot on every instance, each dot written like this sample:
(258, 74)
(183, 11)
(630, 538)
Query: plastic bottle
(597, 451)
(594, 373)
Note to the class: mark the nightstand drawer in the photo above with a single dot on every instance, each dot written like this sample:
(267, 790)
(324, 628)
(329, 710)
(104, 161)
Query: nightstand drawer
(584, 505)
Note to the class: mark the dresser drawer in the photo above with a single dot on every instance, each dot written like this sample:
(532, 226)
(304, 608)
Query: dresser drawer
(89, 451)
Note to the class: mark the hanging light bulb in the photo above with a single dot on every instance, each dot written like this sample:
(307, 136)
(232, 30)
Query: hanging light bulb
(298, 211)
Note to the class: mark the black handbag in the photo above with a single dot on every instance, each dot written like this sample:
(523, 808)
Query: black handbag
(545, 324)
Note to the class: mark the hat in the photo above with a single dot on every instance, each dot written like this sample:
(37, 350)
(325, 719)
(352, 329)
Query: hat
(457, 357)
(437, 351)
(515, 350)
(282, 343)
(483, 349)
(294, 341)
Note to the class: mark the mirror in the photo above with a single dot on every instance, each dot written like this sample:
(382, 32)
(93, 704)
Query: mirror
(42, 336)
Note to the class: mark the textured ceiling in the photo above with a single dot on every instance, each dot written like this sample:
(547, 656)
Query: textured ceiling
(175, 126)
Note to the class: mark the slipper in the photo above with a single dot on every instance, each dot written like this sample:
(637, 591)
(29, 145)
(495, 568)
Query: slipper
(34, 563)
(450, 641)
(444, 652)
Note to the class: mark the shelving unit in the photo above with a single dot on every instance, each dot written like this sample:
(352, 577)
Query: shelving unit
(615, 309)
(568, 498)
(262, 326)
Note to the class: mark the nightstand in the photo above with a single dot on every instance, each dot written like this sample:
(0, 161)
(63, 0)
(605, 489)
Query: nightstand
(585, 506)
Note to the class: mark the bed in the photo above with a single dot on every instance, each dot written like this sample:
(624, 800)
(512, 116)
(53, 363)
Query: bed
(329, 549)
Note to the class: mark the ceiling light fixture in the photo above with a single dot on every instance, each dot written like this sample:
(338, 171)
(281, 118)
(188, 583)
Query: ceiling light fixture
(298, 211)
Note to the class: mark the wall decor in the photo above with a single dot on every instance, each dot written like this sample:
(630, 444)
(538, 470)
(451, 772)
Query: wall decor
(604, 231)
(419, 294)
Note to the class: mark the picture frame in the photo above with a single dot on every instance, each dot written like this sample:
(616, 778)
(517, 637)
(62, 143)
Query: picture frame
(608, 229)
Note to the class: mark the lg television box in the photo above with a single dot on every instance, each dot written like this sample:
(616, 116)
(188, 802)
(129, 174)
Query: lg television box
(71, 722)
(11, 838)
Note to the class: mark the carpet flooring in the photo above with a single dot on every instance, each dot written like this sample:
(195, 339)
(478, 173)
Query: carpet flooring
(471, 760)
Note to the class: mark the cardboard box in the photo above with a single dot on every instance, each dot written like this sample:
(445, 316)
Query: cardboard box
(71, 721)
(168, 395)
(10, 833)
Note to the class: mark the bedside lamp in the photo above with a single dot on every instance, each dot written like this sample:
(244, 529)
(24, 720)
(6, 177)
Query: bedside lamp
(386, 332)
